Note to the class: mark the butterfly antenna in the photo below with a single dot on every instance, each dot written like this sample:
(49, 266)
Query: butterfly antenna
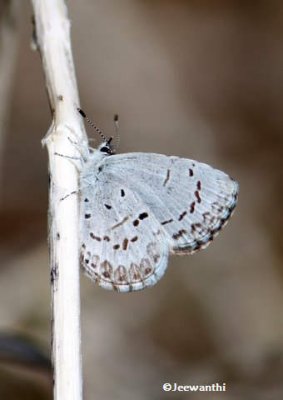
(116, 124)
(99, 131)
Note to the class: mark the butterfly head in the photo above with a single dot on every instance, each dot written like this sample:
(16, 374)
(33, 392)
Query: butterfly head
(106, 147)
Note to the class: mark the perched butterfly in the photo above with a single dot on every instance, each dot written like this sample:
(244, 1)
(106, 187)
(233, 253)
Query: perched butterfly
(137, 208)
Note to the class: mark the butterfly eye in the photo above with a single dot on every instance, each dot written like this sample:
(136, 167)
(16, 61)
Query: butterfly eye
(105, 150)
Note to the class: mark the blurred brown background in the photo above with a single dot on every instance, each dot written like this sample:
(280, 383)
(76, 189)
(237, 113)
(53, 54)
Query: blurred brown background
(199, 79)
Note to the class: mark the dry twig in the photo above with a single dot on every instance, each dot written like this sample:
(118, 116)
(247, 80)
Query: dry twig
(52, 36)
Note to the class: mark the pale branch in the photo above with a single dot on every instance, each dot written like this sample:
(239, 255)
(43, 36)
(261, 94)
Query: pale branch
(52, 37)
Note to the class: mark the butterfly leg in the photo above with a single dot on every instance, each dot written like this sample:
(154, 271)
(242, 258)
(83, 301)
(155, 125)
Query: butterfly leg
(69, 194)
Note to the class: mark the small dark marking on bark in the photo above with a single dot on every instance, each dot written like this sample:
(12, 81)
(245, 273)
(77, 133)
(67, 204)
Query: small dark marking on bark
(87, 216)
(58, 236)
(134, 239)
(116, 246)
(167, 222)
(54, 273)
(86, 200)
(107, 238)
(192, 207)
(122, 193)
(191, 172)
(60, 97)
(108, 206)
(136, 222)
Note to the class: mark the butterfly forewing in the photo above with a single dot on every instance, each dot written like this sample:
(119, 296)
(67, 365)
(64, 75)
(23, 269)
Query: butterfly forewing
(191, 200)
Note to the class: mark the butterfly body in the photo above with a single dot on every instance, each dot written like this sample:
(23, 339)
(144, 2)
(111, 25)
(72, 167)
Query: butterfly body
(137, 208)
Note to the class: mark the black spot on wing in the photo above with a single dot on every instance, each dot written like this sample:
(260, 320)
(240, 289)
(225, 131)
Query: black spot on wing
(192, 207)
(140, 218)
(93, 236)
(179, 234)
(181, 216)
(143, 215)
(197, 195)
(125, 244)
(168, 221)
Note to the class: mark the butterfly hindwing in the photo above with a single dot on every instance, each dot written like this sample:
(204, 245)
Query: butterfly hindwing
(122, 245)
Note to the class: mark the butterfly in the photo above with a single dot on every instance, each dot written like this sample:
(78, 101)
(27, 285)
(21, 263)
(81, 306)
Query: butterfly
(138, 208)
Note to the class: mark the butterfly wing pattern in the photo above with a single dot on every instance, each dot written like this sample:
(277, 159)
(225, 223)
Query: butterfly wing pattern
(137, 208)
